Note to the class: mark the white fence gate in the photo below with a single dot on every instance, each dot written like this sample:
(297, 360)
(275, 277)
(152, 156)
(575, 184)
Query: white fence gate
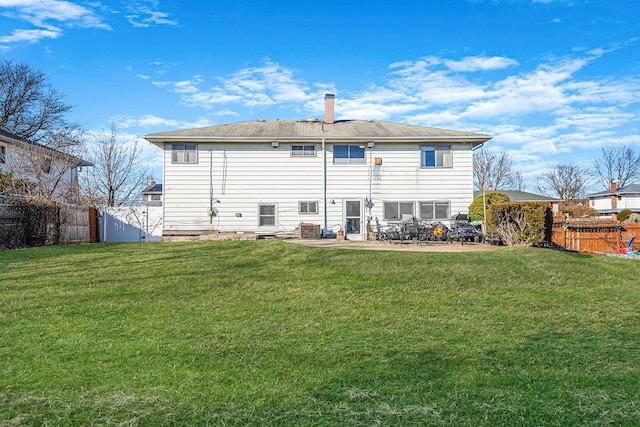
(131, 224)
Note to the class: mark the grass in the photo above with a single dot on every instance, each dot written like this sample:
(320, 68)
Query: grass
(270, 333)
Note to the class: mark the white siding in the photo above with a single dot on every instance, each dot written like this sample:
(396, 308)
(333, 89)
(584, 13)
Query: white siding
(235, 179)
(630, 201)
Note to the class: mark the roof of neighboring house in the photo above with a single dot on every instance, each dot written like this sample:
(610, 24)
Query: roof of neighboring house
(627, 189)
(313, 129)
(153, 188)
(12, 138)
(520, 196)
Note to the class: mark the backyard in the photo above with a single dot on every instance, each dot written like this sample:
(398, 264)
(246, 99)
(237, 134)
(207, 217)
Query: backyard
(271, 333)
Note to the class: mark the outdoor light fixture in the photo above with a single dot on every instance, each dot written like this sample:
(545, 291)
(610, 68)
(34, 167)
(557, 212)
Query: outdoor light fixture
(275, 144)
(371, 144)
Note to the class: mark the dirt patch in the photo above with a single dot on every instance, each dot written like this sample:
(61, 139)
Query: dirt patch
(393, 246)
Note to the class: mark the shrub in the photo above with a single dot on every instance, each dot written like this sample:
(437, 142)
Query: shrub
(476, 209)
(634, 217)
(578, 211)
(623, 215)
(521, 224)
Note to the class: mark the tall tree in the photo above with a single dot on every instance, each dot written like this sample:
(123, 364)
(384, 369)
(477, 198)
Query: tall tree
(495, 169)
(118, 175)
(568, 182)
(29, 106)
(620, 164)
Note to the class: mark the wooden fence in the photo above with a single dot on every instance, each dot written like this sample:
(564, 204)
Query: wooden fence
(595, 236)
(25, 223)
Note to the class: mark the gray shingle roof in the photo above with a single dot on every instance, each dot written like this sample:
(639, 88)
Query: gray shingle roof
(520, 196)
(316, 129)
(627, 189)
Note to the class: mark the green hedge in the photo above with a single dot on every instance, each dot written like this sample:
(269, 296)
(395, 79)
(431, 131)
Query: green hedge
(476, 209)
(521, 223)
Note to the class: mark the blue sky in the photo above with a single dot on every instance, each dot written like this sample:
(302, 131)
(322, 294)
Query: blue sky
(553, 81)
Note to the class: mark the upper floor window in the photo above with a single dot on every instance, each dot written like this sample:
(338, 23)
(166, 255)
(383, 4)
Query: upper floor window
(184, 153)
(348, 154)
(3, 154)
(303, 150)
(436, 156)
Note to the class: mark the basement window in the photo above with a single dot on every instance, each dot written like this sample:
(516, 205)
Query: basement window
(267, 215)
(308, 207)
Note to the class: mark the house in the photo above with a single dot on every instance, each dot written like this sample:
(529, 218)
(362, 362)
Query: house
(152, 195)
(616, 199)
(267, 177)
(523, 196)
(54, 174)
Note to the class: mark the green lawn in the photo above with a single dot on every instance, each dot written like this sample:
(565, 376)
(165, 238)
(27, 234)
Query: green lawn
(271, 333)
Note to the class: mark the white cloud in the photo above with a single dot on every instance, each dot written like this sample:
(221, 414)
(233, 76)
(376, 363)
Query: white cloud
(30, 36)
(481, 63)
(143, 16)
(41, 12)
(267, 85)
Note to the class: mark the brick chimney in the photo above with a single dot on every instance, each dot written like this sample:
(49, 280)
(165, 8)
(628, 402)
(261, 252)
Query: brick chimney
(614, 197)
(329, 100)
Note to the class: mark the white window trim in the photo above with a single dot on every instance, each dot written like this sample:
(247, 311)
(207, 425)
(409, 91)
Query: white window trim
(447, 156)
(315, 204)
(307, 150)
(348, 160)
(398, 203)
(434, 202)
(185, 150)
(275, 215)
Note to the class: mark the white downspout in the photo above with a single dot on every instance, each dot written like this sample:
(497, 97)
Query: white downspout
(324, 183)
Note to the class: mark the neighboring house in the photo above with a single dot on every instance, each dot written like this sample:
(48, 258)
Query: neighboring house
(523, 196)
(152, 195)
(266, 177)
(53, 173)
(616, 199)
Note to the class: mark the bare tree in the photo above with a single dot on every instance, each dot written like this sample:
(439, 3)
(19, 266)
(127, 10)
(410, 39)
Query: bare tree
(118, 176)
(29, 106)
(568, 182)
(495, 169)
(517, 181)
(620, 164)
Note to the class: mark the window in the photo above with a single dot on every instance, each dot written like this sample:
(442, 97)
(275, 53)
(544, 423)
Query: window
(46, 166)
(348, 154)
(434, 211)
(267, 215)
(395, 210)
(308, 207)
(303, 150)
(156, 197)
(3, 154)
(184, 153)
(436, 156)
